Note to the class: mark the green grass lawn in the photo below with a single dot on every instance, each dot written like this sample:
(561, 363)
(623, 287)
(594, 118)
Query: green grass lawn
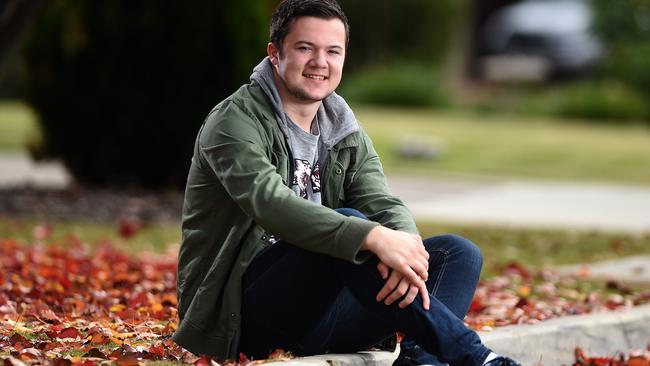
(159, 237)
(473, 143)
(500, 245)
(17, 126)
(512, 145)
(539, 247)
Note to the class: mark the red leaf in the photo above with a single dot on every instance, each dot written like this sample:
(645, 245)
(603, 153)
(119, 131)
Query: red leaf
(243, 359)
(130, 359)
(17, 338)
(158, 351)
(62, 362)
(477, 305)
(203, 361)
(516, 268)
(69, 332)
(129, 227)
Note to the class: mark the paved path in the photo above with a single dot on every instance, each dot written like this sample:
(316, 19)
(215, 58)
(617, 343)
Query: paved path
(491, 201)
(527, 203)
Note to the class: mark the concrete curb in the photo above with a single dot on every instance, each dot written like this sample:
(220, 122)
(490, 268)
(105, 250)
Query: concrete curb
(553, 342)
(352, 359)
(549, 343)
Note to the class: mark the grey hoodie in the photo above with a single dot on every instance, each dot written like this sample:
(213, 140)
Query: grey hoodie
(334, 121)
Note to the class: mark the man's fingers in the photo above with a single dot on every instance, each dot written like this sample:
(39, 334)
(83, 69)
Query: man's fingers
(410, 296)
(389, 286)
(397, 294)
(383, 270)
(425, 294)
(423, 252)
(422, 269)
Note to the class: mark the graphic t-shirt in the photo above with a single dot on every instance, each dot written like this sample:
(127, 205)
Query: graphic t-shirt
(305, 181)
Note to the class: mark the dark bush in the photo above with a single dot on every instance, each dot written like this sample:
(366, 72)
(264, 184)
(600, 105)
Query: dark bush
(389, 31)
(624, 26)
(121, 86)
(601, 101)
(396, 84)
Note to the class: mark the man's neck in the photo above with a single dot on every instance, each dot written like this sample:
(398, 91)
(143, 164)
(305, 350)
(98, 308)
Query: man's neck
(301, 114)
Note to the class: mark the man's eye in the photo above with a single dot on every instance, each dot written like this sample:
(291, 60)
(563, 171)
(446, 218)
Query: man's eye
(303, 48)
(334, 52)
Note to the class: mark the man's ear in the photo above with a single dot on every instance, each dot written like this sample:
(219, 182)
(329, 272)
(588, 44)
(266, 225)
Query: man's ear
(273, 53)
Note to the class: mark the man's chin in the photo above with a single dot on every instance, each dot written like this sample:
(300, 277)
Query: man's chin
(312, 97)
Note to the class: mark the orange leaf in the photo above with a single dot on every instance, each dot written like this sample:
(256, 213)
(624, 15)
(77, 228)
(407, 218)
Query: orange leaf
(638, 361)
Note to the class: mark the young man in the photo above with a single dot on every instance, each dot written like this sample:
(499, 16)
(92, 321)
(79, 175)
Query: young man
(291, 238)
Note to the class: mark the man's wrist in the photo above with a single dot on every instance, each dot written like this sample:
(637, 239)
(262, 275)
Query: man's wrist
(370, 242)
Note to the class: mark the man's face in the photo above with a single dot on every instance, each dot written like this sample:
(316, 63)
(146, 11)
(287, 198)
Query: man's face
(310, 65)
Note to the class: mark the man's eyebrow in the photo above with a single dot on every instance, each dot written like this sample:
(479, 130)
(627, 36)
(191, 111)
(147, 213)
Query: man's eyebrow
(312, 44)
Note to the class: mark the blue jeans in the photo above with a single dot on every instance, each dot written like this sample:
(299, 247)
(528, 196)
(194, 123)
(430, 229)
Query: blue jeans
(309, 303)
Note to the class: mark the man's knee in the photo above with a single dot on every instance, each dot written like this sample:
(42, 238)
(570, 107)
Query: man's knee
(346, 211)
(463, 248)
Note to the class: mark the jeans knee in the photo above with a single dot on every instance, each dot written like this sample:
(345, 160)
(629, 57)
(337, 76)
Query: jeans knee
(346, 211)
(465, 249)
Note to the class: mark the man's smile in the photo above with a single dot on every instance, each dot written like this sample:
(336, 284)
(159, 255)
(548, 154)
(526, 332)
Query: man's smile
(315, 76)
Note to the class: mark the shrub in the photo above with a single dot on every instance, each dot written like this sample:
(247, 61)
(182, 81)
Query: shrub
(624, 26)
(384, 31)
(601, 100)
(398, 84)
(120, 87)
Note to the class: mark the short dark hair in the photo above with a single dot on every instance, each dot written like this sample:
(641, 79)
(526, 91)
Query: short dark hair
(290, 10)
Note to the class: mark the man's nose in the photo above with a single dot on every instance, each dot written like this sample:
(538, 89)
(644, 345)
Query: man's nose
(320, 59)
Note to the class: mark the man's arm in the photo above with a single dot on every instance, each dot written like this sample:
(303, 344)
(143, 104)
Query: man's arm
(400, 249)
(368, 191)
(404, 253)
(232, 147)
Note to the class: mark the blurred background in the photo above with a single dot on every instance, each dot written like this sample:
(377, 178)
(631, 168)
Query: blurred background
(116, 90)
(100, 102)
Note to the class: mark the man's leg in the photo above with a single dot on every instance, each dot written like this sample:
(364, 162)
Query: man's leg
(293, 298)
(454, 269)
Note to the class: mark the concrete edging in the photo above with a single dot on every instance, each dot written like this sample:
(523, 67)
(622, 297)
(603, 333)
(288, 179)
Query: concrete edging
(552, 342)
(548, 343)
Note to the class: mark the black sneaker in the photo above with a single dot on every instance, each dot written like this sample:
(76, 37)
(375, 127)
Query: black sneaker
(502, 361)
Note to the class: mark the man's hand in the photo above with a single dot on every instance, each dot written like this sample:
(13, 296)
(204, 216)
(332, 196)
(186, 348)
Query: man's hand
(396, 287)
(402, 252)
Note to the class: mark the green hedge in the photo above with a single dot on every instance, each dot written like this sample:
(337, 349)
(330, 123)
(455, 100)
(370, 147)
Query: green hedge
(601, 101)
(397, 84)
(624, 26)
(120, 87)
(389, 31)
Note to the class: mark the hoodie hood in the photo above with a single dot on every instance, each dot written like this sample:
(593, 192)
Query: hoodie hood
(335, 118)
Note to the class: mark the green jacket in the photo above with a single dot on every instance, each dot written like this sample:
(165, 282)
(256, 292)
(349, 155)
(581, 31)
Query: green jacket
(237, 194)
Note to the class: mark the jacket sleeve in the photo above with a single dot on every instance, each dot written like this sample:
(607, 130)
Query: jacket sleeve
(232, 146)
(369, 193)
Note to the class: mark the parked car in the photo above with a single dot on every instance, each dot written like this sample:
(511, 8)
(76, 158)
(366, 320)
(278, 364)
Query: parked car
(538, 40)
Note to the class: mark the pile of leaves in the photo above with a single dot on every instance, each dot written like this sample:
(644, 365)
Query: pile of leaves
(63, 303)
(633, 359)
(522, 296)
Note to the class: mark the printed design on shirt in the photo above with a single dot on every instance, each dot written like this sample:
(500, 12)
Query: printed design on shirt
(315, 180)
(303, 173)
